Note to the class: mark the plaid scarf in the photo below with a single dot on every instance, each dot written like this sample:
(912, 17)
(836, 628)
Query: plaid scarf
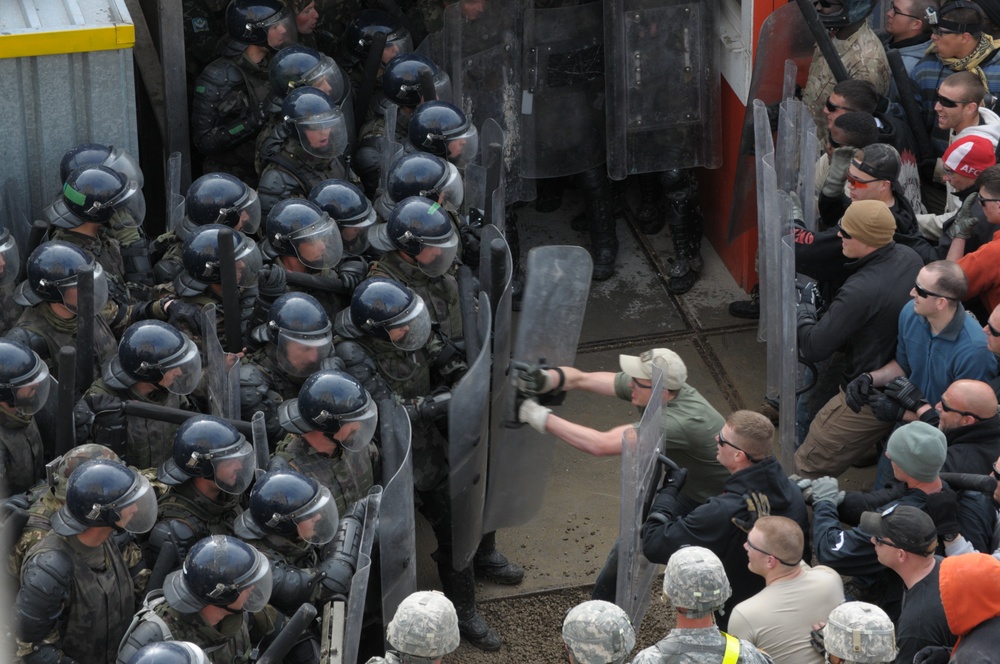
(986, 46)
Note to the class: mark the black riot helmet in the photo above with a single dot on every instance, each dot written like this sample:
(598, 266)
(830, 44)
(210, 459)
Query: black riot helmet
(299, 66)
(53, 273)
(403, 79)
(10, 258)
(98, 154)
(334, 403)
(169, 652)
(93, 193)
(289, 504)
(361, 33)
(24, 379)
(299, 332)
(201, 259)
(421, 174)
(152, 351)
(442, 129)
(106, 493)
(387, 310)
(347, 204)
(318, 121)
(217, 571)
(262, 23)
(220, 198)
(419, 228)
(209, 447)
(298, 227)
(851, 11)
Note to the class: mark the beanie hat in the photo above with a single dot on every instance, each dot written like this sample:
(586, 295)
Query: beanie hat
(919, 450)
(869, 222)
(969, 156)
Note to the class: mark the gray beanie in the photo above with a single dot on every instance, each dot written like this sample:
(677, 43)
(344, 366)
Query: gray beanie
(919, 450)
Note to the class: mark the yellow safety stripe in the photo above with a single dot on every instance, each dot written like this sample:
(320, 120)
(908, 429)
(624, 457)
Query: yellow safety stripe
(732, 649)
(57, 42)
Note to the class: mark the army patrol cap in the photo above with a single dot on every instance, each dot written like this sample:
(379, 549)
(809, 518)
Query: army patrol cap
(425, 625)
(860, 632)
(696, 580)
(907, 527)
(598, 632)
(641, 366)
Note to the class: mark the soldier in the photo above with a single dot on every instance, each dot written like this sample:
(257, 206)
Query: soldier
(24, 388)
(169, 652)
(358, 38)
(859, 633)
(426, 175)
(696, 584)
(228, 108)
(424, 629)
(330, 427)
(597, 632)
(156, 363)
(77, 593)
(443, 129)
(351, 209)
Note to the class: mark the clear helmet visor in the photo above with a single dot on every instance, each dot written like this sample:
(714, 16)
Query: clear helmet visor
(395, 46)
(282, 31)
(354, 233)
(30, 391)
(10, 259)
(442, 87)
(324, 135)
(360, 428)
(136, 510)
(319, 246)
(69, 292)
(181, 376)
(463, 148)
(301, 355)
(234, 468)
(129, 205)
(410, 330)
(249, 211)
(121, 161)
(317, 522)
(436, 256)
(256, 588)
(249, 263)
(451, 192)
(327, 77)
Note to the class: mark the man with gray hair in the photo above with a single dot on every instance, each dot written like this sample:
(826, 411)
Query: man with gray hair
(597, 632)
(696, 584)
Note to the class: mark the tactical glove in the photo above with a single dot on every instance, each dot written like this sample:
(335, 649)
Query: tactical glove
(965, 220)
(837, 175)
(905, 393)
(858, 391)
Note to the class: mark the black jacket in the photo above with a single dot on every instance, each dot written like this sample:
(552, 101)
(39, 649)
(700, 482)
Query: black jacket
(711, 525)
(973, 448)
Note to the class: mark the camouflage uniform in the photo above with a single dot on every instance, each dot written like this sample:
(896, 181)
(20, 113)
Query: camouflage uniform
(9, 310)
(293, 566)
(348, 475)
(166, 254)
(440, 294)
(201, 515)
(204, 27)
(293, 172)
(107, 251)
(336, 15)
(22, 459)
(368, 156)
(58, 332)
(705, 645)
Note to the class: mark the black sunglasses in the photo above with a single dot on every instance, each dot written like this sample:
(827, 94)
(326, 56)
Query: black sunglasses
(721, 440)
(638, 384)
(950, 103)
(833, 108)
(844, 234)
(768, 553)
(945, 408)
(923, 292)
(884, 542)
(992, 330)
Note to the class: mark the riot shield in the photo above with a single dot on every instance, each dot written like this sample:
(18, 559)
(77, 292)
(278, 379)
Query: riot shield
(788, 380)
(362, 573)
(262, 453)
(663, 86)
(390, 146)
(492, 141)
(175, 202)
(795, 156)
(640, 449)
(397, 538)
(468, 445)
(216, 367)
(562, 107)
(556, 290)
(763, 149)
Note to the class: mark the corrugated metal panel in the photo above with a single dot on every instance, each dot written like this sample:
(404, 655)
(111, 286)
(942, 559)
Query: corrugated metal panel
(52, 102)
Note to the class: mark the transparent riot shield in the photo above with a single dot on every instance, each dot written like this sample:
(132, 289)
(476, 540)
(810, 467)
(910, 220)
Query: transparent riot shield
(492, 146)
(468, 445)
(397, 538)
(763, 149)
(556, 290)
(640, 449)
(562, 107)
(362, 572)
(789, 360)
(795, 156)
(770, 285)
(175, 202)
(217, 367)
(783, 36)
(663, 86)
(391, 148)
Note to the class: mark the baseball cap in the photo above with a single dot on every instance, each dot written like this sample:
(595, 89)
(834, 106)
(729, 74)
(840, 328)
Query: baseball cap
(641, 366)
(881, 161)
(907, 527)
(969, 156)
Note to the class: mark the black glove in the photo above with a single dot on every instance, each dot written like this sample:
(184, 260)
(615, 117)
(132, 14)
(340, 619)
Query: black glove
(858, 391)
(352, 272)
(674, 479)
(185, 316)
(817, 641)
(758, 505)
(943, 509)
(272, 282)
(105, 405)
(470, 244)
(932, 655)
(805, 315)
(905, 393)
(885, 408)
(808, 293)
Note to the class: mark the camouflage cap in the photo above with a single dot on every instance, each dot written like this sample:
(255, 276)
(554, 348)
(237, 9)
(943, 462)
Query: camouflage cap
(860, 632)
(696, 580)
(425, 625)
(598, 632)
(58, 470)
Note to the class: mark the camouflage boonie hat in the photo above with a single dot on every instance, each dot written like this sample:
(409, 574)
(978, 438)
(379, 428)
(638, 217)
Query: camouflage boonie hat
(425, 625)
(696, 580)
(598, 632)
(860, 632)
(58, 470)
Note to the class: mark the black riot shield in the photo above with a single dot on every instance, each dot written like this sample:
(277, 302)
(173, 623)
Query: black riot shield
(562, 106)
(556, 290)
(662, 86)
(362, 573)
(468, 445)
(397, 538)
(784, 36)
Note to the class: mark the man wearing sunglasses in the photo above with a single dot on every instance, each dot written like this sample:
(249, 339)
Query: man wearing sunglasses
(980, 265)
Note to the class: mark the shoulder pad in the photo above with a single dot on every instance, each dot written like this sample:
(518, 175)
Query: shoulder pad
(353, 353)
(29, 338)
(217, 78)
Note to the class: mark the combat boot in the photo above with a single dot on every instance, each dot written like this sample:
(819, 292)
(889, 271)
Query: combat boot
(460, 588)
(651, 215)
(493, 565)
(749, 309)
(685, 221)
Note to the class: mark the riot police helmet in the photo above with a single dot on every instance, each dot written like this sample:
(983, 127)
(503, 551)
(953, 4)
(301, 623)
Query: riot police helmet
(152, 351)
(24, 379)
(300, 332)
(420, 229)
(424, 626)
(220, 570)
(862, 633)
(169, 652)
(87, 154)
(10, 258)
(387, 310)
(267, 23)
(53, 276)
(441, 128)
(220, 198)
(361, 31)
(201, 259)
(696, 581)
(406, 74)
(421, 174)
(318, 121)
(299, 228)
(289, 504)
(211, 448)
(59, 470)
(93, 193)
(334, 403)
(104, 493)
(598, 632)
(347, 204)
(849, 12)
(299, 66)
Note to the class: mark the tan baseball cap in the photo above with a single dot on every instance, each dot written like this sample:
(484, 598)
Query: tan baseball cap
(641, 366)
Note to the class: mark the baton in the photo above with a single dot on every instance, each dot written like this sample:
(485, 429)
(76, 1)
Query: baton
(823, 40)
(316, 282)
(970, 482)
(152, 411)
(66, 395)
(914, 117)
(467, 300)
(372, 63)
(230, 292)
(164, 563)
(289, 636)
